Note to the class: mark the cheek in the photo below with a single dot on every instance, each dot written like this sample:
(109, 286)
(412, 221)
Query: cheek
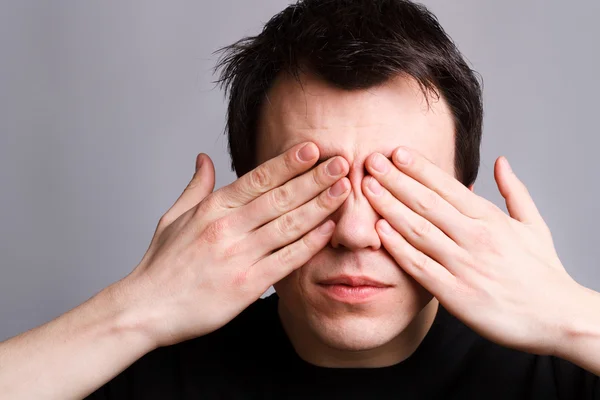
(290, 294)
(289, 288)
(293, 290)
(419, 297)
(287, 284)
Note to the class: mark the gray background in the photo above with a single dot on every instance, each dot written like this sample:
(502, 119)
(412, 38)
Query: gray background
(104, 106)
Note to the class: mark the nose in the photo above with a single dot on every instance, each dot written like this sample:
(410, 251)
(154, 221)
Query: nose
(355, 219)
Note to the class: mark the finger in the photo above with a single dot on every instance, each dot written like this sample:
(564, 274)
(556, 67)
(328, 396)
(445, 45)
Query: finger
(519, 203)
(423, 170)
(201, 185)
(431, 275)
(293, 194)
(269, 175)
(281, 263)
(416, 230)
(419, 198)
(290, 226)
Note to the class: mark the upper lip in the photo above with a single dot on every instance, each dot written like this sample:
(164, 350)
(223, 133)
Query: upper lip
(353, 281)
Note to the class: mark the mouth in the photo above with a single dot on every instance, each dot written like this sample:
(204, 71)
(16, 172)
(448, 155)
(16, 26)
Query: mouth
(352, 289)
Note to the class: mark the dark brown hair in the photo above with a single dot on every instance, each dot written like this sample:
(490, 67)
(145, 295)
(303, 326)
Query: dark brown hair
(352, 44)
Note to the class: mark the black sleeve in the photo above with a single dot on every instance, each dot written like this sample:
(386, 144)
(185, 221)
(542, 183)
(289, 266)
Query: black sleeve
(117, 388)
(573, 382)
(189, 369)
(155, 376)
(203, 367)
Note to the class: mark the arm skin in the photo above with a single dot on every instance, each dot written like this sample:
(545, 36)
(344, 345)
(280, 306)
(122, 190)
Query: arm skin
(581, 332)
(499, 274)
(220, 249)
(86, 347)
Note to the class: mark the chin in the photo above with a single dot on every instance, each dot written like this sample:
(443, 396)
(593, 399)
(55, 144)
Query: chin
(353, 333)
(357, 327)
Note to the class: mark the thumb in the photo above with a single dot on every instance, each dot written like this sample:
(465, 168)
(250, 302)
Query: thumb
(519, 203)
(201, 185)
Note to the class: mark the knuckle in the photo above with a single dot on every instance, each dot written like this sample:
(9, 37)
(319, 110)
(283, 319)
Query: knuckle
(211, 203)
(281, 198)
(324, 201)
(286, 255)
(483, 238)
(492, 211)
(215, 200)
(193, 183)
(422, 262)
(320, 177)
(240, 278)
(310, 244)
(233, 250)
(260, 179)
(287, 224)
(216, 231)
(428, 202)
(423, 228)
(289, 161)
(165, 221)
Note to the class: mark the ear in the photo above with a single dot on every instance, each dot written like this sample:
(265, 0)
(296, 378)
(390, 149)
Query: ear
(471, 187)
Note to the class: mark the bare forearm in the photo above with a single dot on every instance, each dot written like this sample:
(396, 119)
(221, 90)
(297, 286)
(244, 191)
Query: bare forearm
(580, 342)
(72, 355)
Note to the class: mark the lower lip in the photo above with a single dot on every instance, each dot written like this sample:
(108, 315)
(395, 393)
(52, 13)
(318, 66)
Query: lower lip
(352, 294)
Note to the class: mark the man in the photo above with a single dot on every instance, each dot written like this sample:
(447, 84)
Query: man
(355, 126)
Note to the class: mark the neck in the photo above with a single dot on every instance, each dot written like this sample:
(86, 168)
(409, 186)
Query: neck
(311, 349)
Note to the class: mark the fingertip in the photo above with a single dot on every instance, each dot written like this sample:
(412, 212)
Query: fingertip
(309, 151)
(364, 182)
(402, 155)
(199, 161)
(385, 227)
(205, 163)
(502, 168)
(205, 172)
(340, 188)
(370, 160)
(347, 183)
(346, 165)
(326, 228)
(506, 164)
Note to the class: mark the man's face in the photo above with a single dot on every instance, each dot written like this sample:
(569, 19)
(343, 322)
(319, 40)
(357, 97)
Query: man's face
(354, 124)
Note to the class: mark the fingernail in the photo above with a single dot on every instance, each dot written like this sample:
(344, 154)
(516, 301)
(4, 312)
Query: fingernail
(374, 186)
(199, 161)
(338, 189)
(402, 156)
(335, 167)
(507, 165)
(385, 227)
(307, 152)
(380, 164)
(326, 228)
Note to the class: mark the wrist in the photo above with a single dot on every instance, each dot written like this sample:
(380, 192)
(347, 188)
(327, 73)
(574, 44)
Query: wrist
(132, 317)
(579, 326)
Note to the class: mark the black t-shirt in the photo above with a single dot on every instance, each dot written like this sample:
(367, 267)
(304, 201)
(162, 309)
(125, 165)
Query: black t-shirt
(252, 358)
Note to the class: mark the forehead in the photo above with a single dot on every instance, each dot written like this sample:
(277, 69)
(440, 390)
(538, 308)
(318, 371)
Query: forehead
(354, 123)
